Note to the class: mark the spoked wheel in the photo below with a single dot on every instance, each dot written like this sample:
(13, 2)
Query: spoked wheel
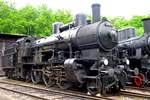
(106, 81)
(62, 79)
(138, 80)
(63, 84)
(147, 78)
(91, 88)
(142, 77)
(35, 76)
(48, 80)
(103, 90)
(28, 77)
(123, 78)
(9, 74)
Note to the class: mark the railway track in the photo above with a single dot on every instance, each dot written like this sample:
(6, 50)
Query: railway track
(146, 89)
(142, 92)
(135, 94)
(41, 92)
(2, 75)
(47, 94)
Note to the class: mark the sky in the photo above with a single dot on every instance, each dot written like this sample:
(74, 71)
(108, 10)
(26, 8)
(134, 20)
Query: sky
(126, 8)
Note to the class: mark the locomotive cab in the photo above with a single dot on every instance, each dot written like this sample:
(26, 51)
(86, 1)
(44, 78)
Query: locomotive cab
(24, 50)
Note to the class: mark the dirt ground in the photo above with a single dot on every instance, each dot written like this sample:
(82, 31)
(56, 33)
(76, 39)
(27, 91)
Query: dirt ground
(5, 95)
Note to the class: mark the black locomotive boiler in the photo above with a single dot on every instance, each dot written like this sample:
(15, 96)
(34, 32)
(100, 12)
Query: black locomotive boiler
(76, 55)
(137, 50)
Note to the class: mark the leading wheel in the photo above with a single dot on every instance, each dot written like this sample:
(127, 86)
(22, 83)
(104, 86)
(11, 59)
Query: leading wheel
(91, 88)
(103, 90)
(63, 84)
(48, 80)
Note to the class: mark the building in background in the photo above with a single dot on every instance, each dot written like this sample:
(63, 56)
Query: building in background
(5, 41)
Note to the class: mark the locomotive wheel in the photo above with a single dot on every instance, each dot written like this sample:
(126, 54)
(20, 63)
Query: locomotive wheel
(107, 85)
(62, 81)
(9, 74)
(91, 88)
(28, 77)
(92, 91)
(147, 78)
(142, 77)
(63, 84)
(138, 80)
(35, 76)
(48, 81)
(103, 90)
(123, 79)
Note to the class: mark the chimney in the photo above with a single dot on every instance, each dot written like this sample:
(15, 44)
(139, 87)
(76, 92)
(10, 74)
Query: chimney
(95, 13)
(146, 24)
(80, 20)
(56, 27)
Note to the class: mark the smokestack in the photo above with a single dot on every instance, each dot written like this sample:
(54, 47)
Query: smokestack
(95, 13)
(146, 23)
(80, 20)
(56, 27)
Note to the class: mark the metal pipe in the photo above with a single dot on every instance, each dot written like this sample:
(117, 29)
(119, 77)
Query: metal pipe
(146, 24)
(95, 13)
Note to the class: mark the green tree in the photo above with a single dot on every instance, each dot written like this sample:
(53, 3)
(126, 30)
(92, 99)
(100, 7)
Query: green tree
(30, 20)
(26, 20)
(6, 17)
(135, 21)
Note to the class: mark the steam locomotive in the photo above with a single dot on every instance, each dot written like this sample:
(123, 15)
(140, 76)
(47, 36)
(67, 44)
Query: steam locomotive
(137, 50)
(78, 54)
